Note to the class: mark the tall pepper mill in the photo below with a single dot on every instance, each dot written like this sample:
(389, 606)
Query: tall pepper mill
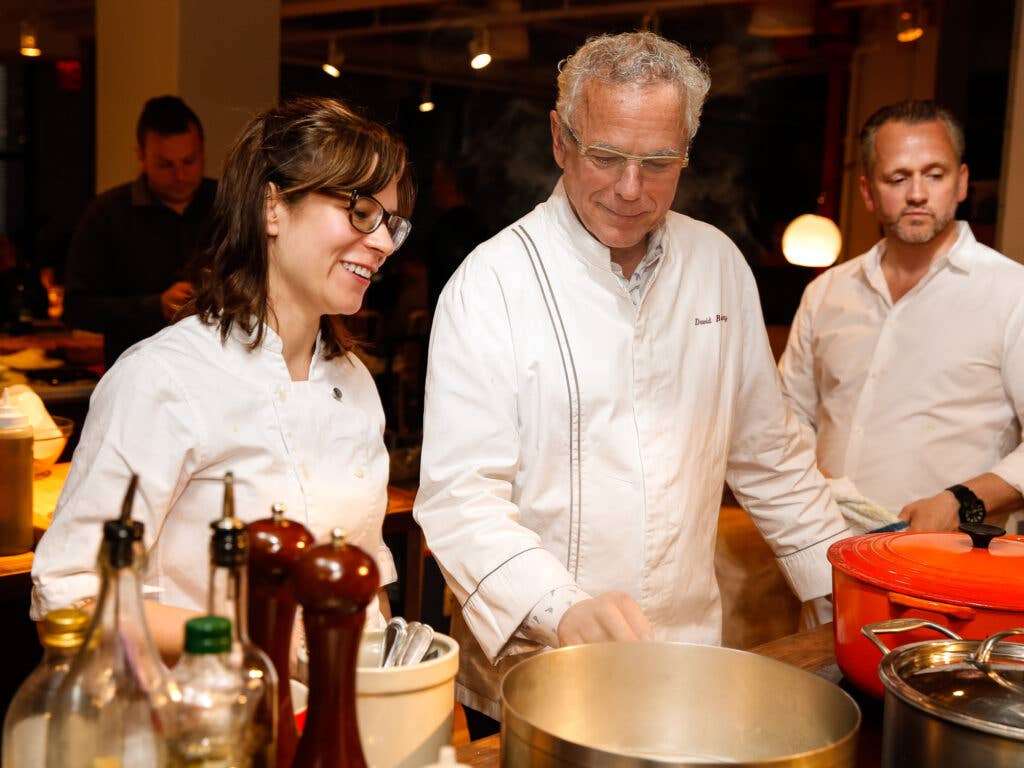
(334, 583)
(275, 545)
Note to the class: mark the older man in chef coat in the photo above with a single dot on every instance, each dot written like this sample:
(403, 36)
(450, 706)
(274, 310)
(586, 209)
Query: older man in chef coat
(597, 371)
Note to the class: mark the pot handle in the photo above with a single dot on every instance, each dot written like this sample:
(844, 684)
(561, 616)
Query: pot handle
(958, 612)
(983, 654)
(893, 626)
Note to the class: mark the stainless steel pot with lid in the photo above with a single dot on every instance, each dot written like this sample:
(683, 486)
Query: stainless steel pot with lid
(656, 704)
(951, 702)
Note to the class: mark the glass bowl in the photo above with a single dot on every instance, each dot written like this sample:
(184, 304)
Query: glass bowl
(49, 444)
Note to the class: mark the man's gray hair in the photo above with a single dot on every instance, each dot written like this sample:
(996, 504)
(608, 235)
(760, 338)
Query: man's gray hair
(640, 58)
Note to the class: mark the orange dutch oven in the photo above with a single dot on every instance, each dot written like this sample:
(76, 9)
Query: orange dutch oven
(970, 581)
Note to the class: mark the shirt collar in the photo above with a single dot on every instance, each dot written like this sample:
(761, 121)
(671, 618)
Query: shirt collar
(592, 249)
(960, 256)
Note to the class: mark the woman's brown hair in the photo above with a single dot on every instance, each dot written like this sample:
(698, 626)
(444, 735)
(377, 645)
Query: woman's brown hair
(303, 146)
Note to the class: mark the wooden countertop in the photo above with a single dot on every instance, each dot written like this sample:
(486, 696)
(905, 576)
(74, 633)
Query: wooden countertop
(812, 651)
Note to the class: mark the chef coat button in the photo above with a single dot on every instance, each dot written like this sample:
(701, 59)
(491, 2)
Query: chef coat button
(359, 472)
(336, 393)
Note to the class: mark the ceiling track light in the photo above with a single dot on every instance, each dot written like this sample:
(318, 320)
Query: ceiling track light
(335, 58)
(28, 39)
(909, 25)
(480, 49)
(910, 21)
(426, 103)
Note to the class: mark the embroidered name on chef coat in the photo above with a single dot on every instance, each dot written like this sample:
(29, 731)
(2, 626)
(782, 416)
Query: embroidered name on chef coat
(709, 320)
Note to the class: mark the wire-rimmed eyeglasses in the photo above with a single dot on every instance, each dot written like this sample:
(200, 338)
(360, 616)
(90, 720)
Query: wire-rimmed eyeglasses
(613, 160)
(366, 213)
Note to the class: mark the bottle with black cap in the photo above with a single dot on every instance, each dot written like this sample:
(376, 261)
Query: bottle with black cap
(228, 597)
(113, 707)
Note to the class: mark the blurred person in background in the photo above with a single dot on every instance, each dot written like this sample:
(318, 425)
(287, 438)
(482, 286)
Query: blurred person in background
(127, 272)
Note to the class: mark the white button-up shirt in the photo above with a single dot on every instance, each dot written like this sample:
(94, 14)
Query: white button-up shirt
(573, 437)
(911, 397)
(181, 409)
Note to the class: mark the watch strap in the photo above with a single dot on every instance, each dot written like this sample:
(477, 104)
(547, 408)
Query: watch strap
(972, 509)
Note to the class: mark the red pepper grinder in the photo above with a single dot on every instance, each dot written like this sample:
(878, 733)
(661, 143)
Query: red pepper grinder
(275, 546)
(334, 583)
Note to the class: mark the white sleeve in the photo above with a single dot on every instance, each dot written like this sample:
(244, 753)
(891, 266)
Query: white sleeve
(772, 470)
(796, 366)
(139, 422)
(1011, 468)
(497, 568)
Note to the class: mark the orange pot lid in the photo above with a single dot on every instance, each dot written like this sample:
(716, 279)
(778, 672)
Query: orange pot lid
(937, 566)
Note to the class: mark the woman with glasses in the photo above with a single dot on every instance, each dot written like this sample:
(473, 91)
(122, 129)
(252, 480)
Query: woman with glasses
(258, 378)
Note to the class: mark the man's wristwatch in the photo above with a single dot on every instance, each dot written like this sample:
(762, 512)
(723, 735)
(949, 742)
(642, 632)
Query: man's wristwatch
(972, 509)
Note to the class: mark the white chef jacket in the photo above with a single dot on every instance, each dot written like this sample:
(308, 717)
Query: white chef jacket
(572, 437)
(912, 397)
(181, 409)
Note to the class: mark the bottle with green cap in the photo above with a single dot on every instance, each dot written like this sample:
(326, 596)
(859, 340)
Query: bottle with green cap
(25, 732)
(228, 597)
(212, 716)
(113, 708)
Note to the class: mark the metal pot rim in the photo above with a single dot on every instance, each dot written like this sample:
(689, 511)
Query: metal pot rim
(898, 661)
(525, 727)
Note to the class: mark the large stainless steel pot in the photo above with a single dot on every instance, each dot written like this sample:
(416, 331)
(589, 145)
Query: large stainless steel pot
(665, 704)
(951, 703)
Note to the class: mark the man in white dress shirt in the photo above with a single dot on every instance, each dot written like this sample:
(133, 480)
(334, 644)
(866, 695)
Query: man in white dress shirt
(597, 371)
(908, 361)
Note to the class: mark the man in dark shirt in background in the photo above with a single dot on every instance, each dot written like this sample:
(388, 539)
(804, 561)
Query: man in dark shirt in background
(127, 267)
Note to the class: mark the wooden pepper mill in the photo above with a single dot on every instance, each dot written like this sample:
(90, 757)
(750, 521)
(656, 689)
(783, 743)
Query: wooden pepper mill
(275, 545)
(334, 583)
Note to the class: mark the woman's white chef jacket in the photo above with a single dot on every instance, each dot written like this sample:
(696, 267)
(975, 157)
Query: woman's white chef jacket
(181, 409)
(572, 437)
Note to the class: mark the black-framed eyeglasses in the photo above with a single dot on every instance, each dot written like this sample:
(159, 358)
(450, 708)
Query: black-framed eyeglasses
(613, 160)
(366, 213)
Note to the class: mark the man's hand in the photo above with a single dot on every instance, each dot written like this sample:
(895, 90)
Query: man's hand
(940, 512)
(172, 300)
(611, 616)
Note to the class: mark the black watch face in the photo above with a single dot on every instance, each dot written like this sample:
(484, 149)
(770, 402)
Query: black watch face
(972, 513)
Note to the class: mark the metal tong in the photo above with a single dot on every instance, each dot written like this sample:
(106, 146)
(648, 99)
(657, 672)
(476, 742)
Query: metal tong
(404, 643)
